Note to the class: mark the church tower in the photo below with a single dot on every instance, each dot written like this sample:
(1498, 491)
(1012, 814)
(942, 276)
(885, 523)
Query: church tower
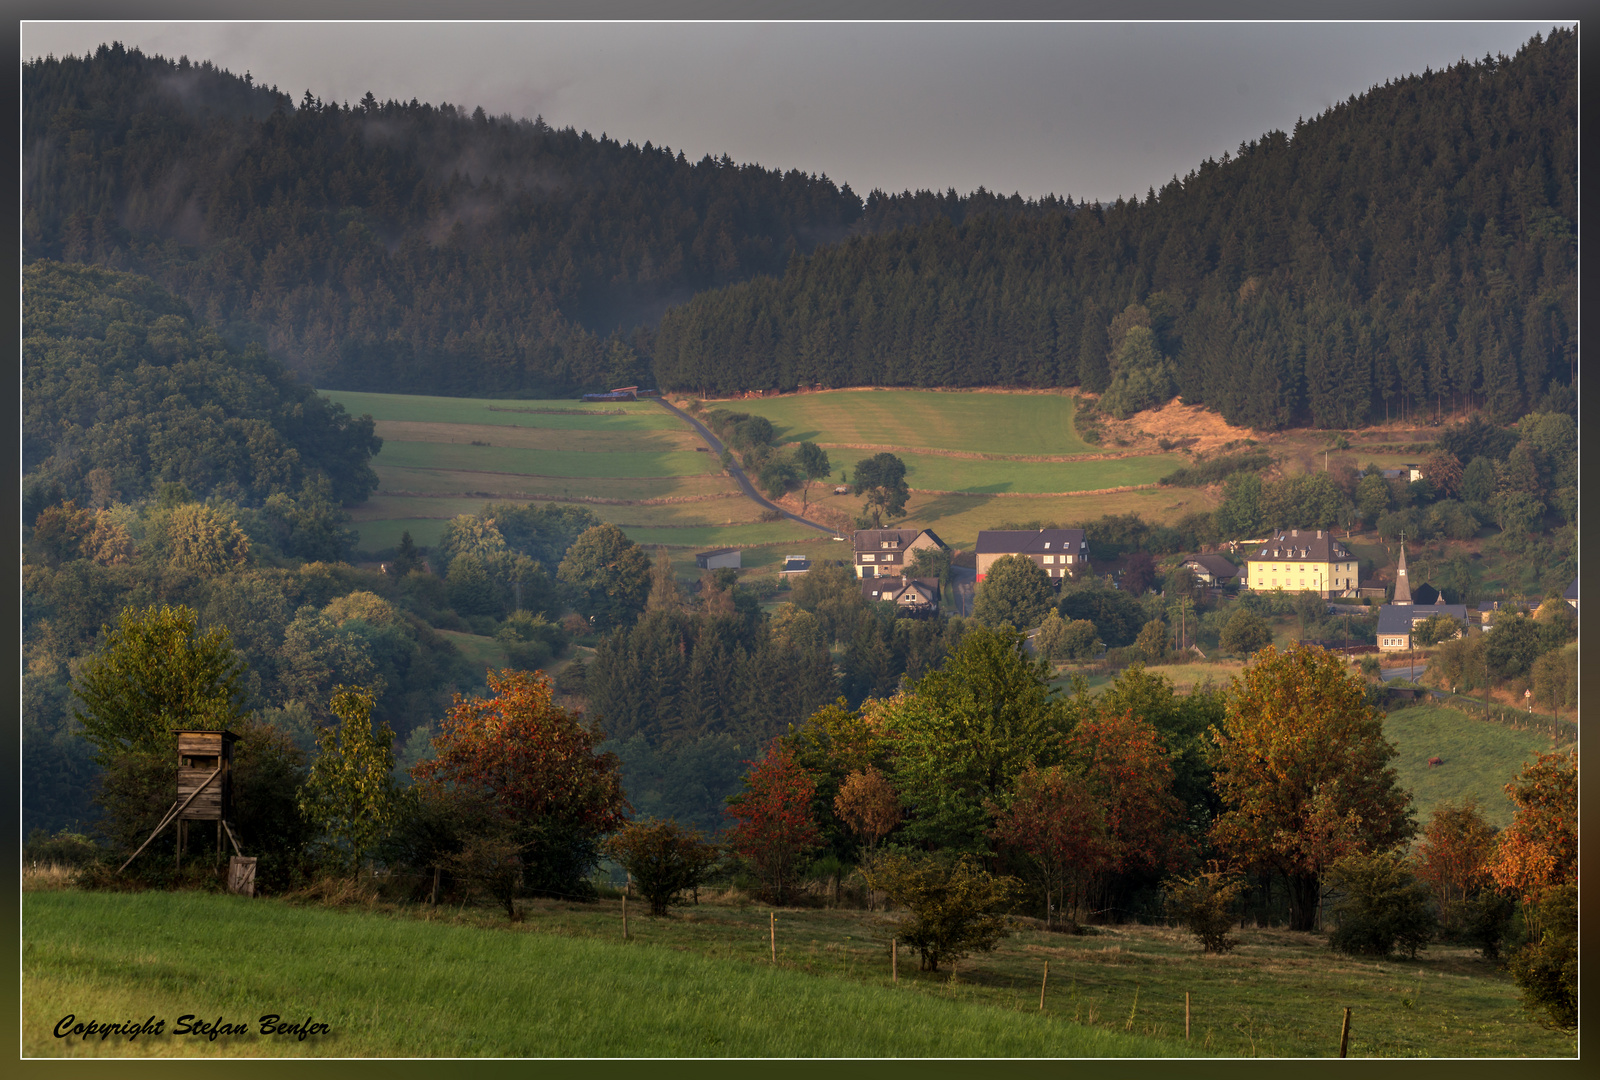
(1402, 584)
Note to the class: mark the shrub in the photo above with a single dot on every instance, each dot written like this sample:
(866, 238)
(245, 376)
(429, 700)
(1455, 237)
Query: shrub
(1205, 904)
(1384, 907)
(952, 903)
(664, 860)
(1547, 970)
(63, 849)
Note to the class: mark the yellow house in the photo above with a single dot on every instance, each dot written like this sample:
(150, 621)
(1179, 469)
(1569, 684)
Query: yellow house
(1302, 560)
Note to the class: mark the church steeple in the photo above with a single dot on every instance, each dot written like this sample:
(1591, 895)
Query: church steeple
(1402, 584)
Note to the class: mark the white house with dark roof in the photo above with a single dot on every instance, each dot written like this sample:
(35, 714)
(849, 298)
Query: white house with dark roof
(1212, 570)
(1397, 622)
(912, 596)
(1571, 595)
(884, 552)
(1060, 553)
(1304, 560)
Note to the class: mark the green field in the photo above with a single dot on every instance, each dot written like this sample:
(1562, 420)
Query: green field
(516, 460)
(403, 987)
(1480, 758)
(982, 476)
(981, 423)
(574, 415)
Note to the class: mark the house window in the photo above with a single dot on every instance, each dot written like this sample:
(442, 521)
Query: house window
(1069, 558)
(1049, 560)
(869, 558)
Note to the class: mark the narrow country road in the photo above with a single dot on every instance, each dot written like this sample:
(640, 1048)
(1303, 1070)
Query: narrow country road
(733, 467)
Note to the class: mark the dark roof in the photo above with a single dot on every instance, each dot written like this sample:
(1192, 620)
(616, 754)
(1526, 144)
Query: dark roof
(1308, 545)
(1572, 591)
(872, 539)
(1215, 565)
(890, 588)
(1399, 618)
(714, 551)
(1029, 541)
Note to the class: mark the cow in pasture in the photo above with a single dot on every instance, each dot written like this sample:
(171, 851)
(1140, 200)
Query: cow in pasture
(1435, 761)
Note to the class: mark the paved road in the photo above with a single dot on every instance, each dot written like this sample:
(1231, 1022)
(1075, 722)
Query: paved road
(1410, 673)
(733, 467)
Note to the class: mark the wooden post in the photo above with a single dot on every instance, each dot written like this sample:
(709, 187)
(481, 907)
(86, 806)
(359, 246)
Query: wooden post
(1344, 1033)
(1044, 984)
(772, 929)
(1186, 1016)
(433, 898)
(624, 916)
(894, 959)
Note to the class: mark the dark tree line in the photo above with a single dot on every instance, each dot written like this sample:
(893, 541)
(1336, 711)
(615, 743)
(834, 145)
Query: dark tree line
(403, 246)
(1411, 250)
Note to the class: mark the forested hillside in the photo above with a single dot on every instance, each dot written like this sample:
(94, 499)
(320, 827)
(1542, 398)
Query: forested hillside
(123, 392)
(403, 246)
(1411, 250)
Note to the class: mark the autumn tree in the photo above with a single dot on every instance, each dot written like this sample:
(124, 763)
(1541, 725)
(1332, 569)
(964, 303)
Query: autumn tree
(868, 805)
(157, 673)
(882, 479)
(773, 827)
(205, 541)
(1054, 824)
(663, 860)
(1303, 772)
(1453, 858)
(349, 795)
(1539, 851)
(535, 767)
(1123, 761)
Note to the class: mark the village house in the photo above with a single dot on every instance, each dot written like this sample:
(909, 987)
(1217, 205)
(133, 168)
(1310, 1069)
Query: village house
(1571, 595)
(912, 596)
(1059, 552)
(1397, 622)
(884, 552)
(1304, 560)
(1212, 570)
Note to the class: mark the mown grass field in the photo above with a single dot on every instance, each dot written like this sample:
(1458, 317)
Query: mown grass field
(971, 422)
(562, 414)
(401, 986)
(406, 981)
(983, 476)
(520, 461)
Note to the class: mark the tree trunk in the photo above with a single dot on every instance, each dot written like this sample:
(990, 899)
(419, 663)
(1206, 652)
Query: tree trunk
(1303, 892)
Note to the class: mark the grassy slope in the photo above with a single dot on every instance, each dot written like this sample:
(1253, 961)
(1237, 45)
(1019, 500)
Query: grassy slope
(979, 476)
(620, 462)
(969, 422)
(638, 415)
(405, 987)
(1480, 758)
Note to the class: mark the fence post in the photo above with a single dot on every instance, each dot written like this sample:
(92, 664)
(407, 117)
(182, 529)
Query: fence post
(773, 930)
(894, 959)
(624, 916)
(1186, 1016)
(1344, 1033)
(1044, 984)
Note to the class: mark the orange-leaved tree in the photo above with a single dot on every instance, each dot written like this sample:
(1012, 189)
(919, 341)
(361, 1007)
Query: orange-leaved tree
(530, 770)
(1053, 820)
(1127, 768)
(1540, 849)
(1303, 773)
(773, 827)
(1453, 856)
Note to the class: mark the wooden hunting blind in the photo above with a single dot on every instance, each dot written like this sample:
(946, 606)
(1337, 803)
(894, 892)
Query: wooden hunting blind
(205, 793)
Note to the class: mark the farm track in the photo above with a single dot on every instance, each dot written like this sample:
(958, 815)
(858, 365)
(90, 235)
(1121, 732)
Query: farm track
(738, 473)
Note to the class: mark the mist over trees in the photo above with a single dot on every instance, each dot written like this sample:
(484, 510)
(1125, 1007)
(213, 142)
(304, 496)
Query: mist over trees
(1411, 250)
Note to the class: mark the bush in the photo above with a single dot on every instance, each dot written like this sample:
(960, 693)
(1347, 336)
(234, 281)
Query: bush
(63, 849)
(952, 903)
(1384, 907)
(1205, 905)
(664, 860)
(1547, 970)
(1245, 633)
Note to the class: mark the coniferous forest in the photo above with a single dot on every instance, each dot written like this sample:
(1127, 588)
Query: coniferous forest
(1412, 249)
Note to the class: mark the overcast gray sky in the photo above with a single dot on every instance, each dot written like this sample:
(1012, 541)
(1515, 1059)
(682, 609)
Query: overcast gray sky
(1094, 110)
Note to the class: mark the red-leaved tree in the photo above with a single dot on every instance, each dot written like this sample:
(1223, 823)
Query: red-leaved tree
(1453, 855)
(1127, 768)
(529, 770)
(773, 826)
(1054, 822)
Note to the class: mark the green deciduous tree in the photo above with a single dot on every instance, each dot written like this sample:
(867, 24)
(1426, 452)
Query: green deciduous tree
(952, 902)
(1383, 907)
(157, 673)
(1245, 633)
(1204, 903)
(1015, 591)
(349, 795)
(607, 575)
(882, 479)
(663, 860)
(813, 463)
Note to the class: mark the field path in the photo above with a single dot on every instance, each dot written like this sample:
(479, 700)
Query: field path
(738, 474)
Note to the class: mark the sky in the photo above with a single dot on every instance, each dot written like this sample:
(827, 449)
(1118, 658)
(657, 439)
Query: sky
(1091, 110)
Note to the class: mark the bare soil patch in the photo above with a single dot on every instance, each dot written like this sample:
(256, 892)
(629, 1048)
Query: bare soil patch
(1177, 423)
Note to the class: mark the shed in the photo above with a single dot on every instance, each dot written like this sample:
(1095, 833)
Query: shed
(718, 558)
